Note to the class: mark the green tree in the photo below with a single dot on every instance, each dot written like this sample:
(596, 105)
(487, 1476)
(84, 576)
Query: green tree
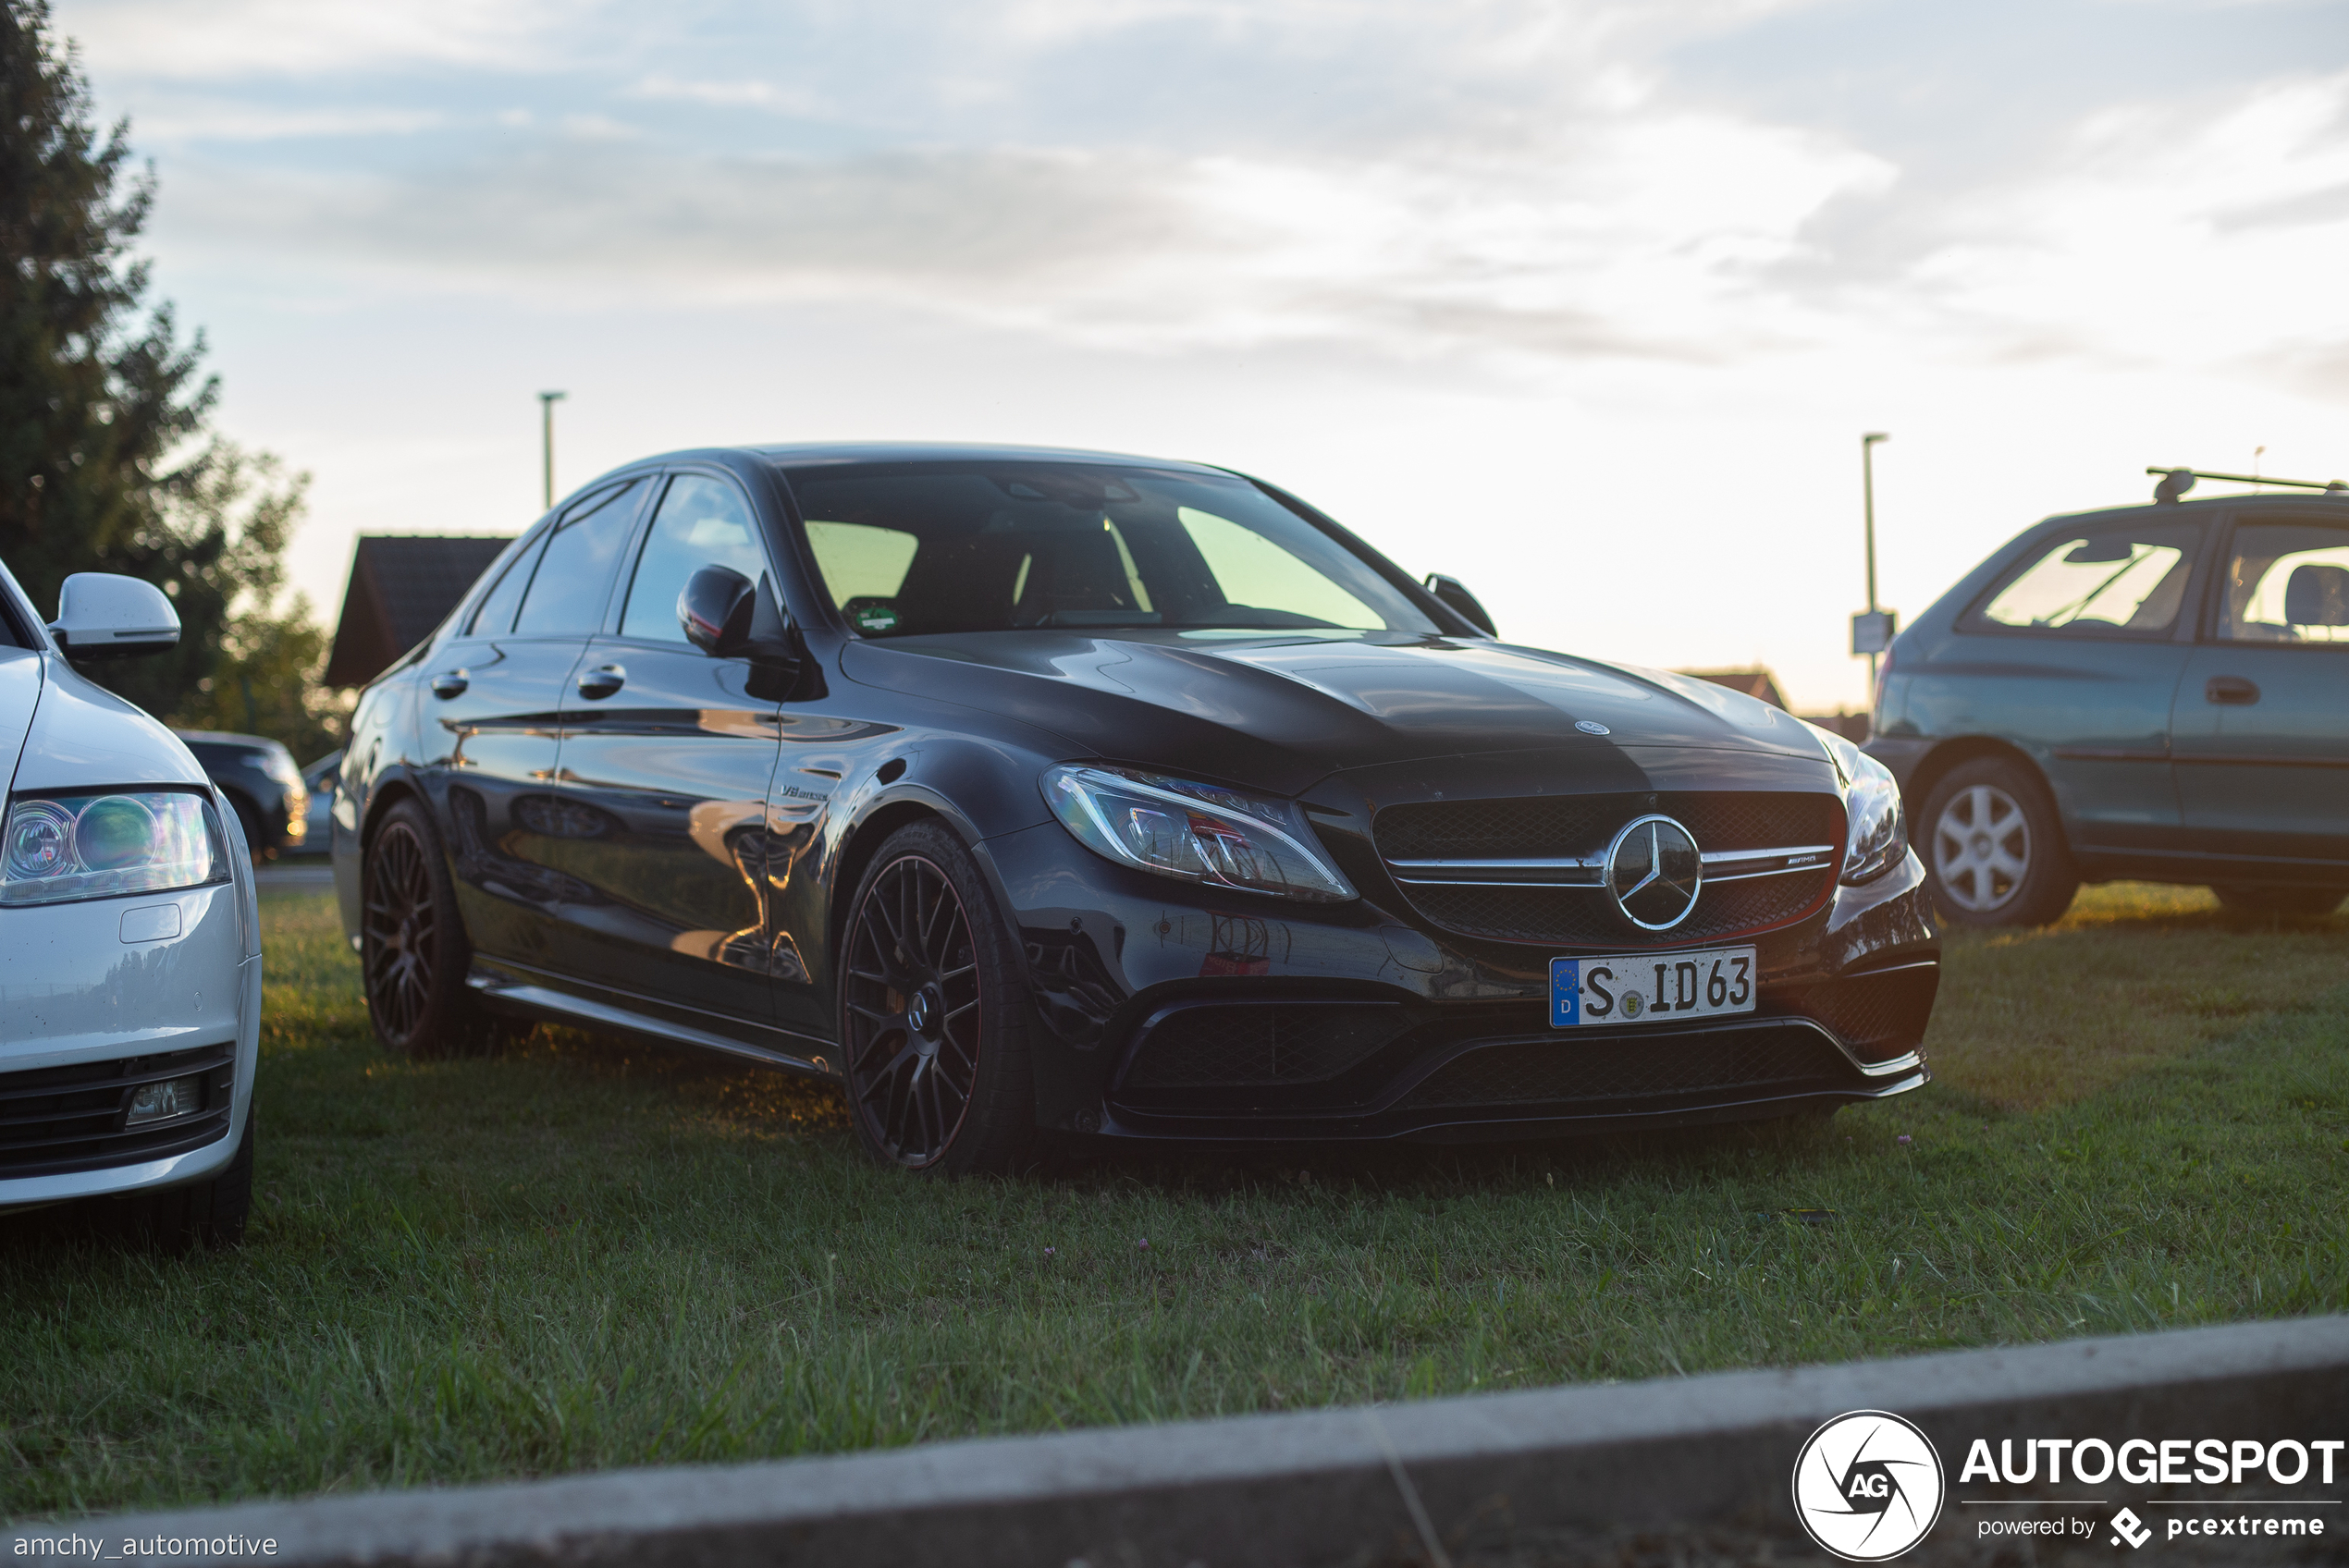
(107, 463)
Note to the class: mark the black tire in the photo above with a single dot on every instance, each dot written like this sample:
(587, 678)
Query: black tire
(934, 1014)
(413, 954)
(210, 1214)
(2289, 903)
(1995, 847)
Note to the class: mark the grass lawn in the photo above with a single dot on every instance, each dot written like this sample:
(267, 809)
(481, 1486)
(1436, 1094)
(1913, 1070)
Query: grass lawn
(582, 1254)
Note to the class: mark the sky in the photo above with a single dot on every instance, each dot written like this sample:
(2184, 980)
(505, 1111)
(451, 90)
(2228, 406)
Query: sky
(1587, 304)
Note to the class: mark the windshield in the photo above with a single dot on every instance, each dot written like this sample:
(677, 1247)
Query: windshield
(907, 549)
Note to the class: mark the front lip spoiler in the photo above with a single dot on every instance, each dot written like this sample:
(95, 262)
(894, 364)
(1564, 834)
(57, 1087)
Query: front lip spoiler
(1391, 1117)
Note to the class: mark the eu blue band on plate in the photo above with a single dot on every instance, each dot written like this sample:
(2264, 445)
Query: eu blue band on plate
(1566, 992)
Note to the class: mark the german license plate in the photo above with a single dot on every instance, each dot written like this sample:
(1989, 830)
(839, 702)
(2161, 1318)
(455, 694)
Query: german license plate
(1650, 988)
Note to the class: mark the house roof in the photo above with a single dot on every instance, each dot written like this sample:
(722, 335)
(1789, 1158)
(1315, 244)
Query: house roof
(1754, 682)
(403, 585)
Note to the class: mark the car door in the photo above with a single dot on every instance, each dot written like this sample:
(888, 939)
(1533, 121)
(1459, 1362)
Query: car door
(491, 723)
(2261, 728)
(667, 760)
(2075, 656)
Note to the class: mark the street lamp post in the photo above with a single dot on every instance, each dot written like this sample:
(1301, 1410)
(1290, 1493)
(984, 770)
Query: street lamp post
(1867, 501)
(547, 402)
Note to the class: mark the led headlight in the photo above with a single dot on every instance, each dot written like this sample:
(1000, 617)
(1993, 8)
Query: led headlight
(1196, 832)
(61, 847)
(1879, 836)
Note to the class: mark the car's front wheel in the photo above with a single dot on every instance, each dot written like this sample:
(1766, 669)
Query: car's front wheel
(2292, 903)
(1996, 848)
(934, 1016)
(205, 1213)
(413, 954)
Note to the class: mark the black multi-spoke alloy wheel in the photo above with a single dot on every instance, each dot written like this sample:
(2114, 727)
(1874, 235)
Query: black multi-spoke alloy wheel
(1994, 847)
(933, 1016)
(412, 951)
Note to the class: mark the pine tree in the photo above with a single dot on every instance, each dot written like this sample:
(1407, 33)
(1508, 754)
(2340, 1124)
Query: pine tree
(107, 463)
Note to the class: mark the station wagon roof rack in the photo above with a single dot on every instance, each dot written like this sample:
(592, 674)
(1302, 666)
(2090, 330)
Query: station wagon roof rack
(2176, 482)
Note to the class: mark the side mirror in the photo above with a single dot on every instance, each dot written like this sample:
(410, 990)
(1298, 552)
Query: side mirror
(729, 617)
(102, 616)
(1456, 597)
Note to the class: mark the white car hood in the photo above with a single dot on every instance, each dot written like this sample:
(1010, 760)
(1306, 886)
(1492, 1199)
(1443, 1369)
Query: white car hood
(62, 732)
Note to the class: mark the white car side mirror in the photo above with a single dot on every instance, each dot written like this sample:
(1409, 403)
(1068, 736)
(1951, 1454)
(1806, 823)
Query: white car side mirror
(102, 616)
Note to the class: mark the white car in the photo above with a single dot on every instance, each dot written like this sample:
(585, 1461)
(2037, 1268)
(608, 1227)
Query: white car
(130, 938)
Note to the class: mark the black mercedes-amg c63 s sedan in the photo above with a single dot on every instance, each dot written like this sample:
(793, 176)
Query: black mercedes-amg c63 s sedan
(1040, 795)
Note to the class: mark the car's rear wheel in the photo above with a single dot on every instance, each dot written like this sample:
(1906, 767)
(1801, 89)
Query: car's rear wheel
(413, 954)
(1995, 847)
(2292, 903)
(934, 1017)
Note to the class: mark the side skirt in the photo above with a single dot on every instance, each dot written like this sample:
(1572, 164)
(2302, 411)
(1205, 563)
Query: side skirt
(524, 995)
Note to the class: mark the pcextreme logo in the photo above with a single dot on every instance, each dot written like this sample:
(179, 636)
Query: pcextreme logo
(1868, 1486)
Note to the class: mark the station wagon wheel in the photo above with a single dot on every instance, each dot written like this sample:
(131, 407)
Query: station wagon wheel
(933, 1039)
(1995, 847)
(413, 954)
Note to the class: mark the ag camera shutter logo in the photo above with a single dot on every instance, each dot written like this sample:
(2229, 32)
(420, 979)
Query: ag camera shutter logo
(1868, 1486)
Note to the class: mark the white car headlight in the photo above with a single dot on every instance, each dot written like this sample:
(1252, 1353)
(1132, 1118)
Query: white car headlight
(1879, 835)
(98, 845)
(1197, 832)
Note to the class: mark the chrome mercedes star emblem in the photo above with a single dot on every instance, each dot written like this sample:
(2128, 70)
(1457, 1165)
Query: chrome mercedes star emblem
(1654, 868)
(1592, 727)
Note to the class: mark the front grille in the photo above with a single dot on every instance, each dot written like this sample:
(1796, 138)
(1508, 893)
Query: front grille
(54, 1119)
(1252, 1045)
(1582, 826)
(1879, 1015)
(1759, 1059)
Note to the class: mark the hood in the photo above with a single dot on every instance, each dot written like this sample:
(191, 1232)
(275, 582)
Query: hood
(1279, 712)
(83, 736)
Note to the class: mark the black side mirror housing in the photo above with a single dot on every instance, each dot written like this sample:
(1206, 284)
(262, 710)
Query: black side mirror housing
(1454, 596)
(729, 617)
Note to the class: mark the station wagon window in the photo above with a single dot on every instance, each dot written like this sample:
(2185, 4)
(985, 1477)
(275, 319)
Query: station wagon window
(702, 521)
(2125, 582)
(913, 548)
(2287, 582)
(573, 580)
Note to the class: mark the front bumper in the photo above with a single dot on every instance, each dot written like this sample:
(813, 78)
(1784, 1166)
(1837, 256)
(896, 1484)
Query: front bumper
(1172, 1013)
(90, 1006)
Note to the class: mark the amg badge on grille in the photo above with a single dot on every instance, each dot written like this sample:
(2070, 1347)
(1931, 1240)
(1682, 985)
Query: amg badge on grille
(1653, 870)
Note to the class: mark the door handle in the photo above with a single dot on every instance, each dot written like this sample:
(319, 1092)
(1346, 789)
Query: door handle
(602, 681)
(2232, 690)
(449, 683)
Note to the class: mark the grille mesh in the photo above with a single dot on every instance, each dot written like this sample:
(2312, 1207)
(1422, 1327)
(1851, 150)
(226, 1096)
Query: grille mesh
(60, 1119)
(1587, 918)
(1239, 1045)
(1542, 1071)
(1879, 1015)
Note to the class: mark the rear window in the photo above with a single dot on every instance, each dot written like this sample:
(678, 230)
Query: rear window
(2102, 582)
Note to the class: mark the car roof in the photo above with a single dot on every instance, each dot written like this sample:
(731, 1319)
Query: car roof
(2200, 505)
(817, 454)
(225, 738)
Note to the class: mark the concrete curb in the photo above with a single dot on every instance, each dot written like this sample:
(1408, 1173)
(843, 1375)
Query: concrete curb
(1319, 1486)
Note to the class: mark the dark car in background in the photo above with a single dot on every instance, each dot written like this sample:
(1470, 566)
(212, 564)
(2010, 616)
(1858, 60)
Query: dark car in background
(260, 779)
(1049, 793)
(2158, 693)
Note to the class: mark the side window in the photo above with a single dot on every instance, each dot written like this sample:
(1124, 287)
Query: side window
(568, 593)
(2287, 582)
(701, 522)
(494, 616)
(2123, 583)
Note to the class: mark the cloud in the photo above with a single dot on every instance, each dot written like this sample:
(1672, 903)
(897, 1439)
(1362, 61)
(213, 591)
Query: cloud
(738, 94)
(227, 39)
